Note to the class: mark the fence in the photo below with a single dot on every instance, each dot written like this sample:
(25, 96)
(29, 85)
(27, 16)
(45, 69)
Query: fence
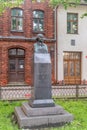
(70, 91)
(25, 92)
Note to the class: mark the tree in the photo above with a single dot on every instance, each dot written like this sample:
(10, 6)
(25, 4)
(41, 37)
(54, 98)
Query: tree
(68, 3)
(65, 3)
(9, 3)
(12, 3)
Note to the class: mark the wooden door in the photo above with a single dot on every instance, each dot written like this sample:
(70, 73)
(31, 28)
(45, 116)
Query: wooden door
(16, 67)
(72, 68)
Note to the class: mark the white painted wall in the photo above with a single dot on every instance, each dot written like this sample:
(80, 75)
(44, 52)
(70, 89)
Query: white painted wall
(64, 39)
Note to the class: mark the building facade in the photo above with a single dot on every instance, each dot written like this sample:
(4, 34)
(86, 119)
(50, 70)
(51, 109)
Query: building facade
(72, 45)
(18, 29)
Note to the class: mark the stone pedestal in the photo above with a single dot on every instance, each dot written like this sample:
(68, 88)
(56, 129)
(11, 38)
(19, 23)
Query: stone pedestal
(29, 117)
(41, 94)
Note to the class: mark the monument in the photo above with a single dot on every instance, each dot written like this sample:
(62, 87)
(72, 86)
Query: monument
(41, 110)
(42, 96)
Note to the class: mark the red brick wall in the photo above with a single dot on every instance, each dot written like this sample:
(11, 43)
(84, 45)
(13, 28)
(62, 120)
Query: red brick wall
(28, 7)
(27, 45)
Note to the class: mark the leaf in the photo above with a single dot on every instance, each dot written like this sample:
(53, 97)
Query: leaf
(9, 4)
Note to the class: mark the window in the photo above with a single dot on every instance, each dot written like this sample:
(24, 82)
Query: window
(38, 21)
(17, 20)
(16, 52)
(72, 23)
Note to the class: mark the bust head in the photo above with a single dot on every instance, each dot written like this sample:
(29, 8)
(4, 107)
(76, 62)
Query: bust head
(40, 46)
(40, 38)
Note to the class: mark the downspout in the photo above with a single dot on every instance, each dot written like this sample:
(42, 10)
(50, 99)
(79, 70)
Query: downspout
(56, 45)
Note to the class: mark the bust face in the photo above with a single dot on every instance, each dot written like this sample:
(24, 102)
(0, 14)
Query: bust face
(40, 38)
(40, 47)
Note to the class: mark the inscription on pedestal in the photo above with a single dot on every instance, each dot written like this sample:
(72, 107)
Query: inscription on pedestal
(42, 77)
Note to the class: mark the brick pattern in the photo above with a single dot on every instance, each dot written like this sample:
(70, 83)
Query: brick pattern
(27, 45)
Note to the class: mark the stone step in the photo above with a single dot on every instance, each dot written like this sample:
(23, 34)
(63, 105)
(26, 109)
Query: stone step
(40, 121)
(42, 111)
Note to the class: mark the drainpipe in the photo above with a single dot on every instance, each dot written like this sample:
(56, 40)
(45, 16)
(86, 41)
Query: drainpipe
(56, 45)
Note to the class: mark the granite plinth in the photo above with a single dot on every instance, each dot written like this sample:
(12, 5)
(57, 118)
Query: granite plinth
(29, 117)
(42, 111)
(42, 103)
(42, 91)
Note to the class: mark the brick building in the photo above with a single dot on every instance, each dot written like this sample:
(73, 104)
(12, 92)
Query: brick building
(18, 29)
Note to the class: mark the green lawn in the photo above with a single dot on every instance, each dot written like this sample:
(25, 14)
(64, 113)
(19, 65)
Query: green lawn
(77, 108)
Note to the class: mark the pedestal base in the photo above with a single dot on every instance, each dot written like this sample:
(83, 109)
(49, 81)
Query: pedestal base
(42, 103)
(29, 117)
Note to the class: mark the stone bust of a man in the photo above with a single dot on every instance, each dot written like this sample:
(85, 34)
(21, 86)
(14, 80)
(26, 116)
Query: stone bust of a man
(40, 46)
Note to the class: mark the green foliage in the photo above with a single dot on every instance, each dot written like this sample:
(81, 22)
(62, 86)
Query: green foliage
(84, 15)
(4, 4)
(79, 110)
(6, 110)
(65, 3)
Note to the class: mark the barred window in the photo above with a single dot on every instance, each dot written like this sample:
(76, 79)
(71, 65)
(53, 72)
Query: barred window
(17, 19)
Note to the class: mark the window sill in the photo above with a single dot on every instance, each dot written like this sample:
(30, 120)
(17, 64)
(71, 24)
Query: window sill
(73, 33)
(17, 31)
(42, 32)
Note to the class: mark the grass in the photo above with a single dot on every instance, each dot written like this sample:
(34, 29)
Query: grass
(77, 108)
(6, 110)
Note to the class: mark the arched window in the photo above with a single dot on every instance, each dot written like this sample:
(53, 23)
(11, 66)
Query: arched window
(38, 21)
(16, 19)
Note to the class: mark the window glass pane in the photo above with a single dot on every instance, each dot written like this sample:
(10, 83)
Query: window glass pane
(20, 52)
(68, 27)
(74, 27)
(38, 14)
(74, 17)
(77, 68)
(12, 52)
(41, 25)
(71, 55)
(19, 13)
(35, 14)
(71, 68)
(41, 14)
(12, 65)
(16, 12)
(20, 24)
(13, 23)
(66, 55)
(13, 12)
(35, 24)
(78, 56)
(20, 64)
(65, 69)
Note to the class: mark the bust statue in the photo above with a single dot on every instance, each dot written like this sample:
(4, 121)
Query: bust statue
(40, 46)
